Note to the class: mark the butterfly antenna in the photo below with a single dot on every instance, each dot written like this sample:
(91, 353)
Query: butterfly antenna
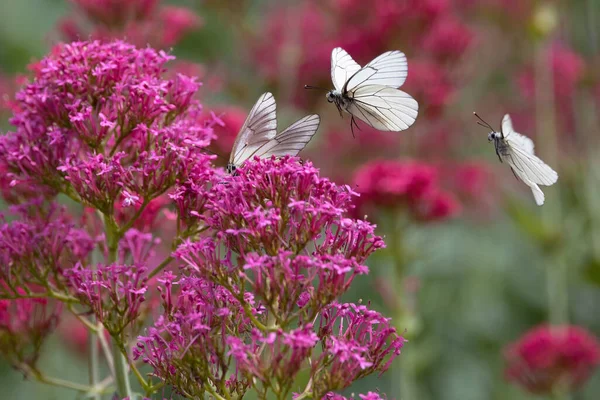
(315, 87)
(483, 122)
(216, 154)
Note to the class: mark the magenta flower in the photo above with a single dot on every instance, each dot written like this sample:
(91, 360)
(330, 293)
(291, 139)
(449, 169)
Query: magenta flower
(358, 342)
(260, 289)
(36, 249)
(549, 358)
(187, 346)
(280, 204)
(140, 21)
(411, 186)
(114, 293)
(24, 326)
(368, 396)
(101, 125)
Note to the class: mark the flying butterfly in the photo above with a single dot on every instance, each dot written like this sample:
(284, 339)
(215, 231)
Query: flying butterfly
(371, 93)
(517, 151)
(259, 137)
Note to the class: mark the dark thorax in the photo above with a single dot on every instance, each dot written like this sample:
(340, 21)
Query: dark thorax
(500, 144)
(231, 169)
(340, 100)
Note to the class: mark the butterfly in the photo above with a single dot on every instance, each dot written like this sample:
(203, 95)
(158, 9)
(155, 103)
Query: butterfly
(517, 151)
(371, 93)
(259, 137)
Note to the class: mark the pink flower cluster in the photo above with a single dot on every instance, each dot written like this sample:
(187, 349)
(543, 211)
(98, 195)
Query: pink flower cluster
(261, 290)
(37, 247)
(100, 124)
(404, 185)
(549, 358)
(24, 326)
(141, 22)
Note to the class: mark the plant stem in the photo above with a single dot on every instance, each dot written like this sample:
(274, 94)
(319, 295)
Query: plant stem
(120, 364)
(160, 267)
(556, 268)
(121, 373)
(403, 313)
(93, 362)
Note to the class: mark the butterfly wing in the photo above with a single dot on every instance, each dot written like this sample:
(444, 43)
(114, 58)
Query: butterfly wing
(259, 128)
(292, 140)
(342, 67)
(389, 69)
(384, 108)
(518, 140)
(530, 169)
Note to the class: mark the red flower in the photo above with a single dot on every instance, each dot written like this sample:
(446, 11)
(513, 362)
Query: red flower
(409, 184)
(548, 357)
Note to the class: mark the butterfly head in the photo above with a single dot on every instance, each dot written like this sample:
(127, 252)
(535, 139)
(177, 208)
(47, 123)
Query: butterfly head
(494, 136)
(231, 168)
(330, 96)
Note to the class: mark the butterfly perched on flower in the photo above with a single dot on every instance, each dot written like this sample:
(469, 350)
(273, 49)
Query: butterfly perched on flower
(517, 151)
(258, 136)
(371, 93)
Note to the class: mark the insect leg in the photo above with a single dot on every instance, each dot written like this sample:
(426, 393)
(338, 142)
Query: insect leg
(353, 124)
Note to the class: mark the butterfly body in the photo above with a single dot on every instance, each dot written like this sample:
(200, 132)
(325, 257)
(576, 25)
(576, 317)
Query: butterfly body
(501, 145)
(518, 152)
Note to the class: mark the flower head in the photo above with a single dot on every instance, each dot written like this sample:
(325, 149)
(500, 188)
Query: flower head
(140, 21)
(101, 124)
(24, 326)
(36, 249)
(408, 185)
(114, 293)
(552, 357)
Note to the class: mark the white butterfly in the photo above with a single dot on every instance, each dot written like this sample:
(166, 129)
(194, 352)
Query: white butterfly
(258, 136)
(371, 93)
(517, 151)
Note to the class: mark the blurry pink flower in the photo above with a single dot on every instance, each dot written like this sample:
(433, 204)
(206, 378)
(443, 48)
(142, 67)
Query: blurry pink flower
(429, 85)
(447, 39)
(408, 185)
(24, 326)
(75, 334)
(568, 70)
(141, 22)
(227, 123)
(438, 206)
(552, 357)
(176, 22)
(115, 13)
(471, 178)
(395, 183)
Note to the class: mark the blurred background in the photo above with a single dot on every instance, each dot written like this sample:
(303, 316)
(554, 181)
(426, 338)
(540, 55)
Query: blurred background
(472, 263)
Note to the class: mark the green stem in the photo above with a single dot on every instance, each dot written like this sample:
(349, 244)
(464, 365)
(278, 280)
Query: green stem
(121, 373)
(48, 380)
(556, 268)
(120, 364)
(93, 362)
(160, 267)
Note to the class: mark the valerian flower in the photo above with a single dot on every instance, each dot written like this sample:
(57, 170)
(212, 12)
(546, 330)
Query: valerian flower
(114, 293)
(187, 346)
(552, 358)
(278, 252)
(24, 326)
(99, 123)
(410, 186)
(36, 248)
(140, 21)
